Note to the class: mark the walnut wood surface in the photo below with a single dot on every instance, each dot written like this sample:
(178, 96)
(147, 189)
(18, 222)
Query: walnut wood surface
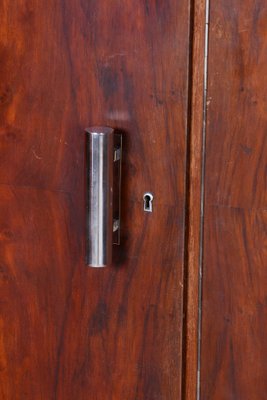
(68, 331)
(234, 340)
(193, 222)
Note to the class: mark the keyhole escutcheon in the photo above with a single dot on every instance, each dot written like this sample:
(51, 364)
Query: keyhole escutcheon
(148, 199)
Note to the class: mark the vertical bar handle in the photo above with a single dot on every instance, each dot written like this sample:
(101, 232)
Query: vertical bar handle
(101, 156)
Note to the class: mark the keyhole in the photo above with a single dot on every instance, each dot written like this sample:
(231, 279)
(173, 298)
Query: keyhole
(148, 198)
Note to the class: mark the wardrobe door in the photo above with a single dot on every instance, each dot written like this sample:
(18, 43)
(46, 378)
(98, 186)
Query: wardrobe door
(234, 307)
(67, 330)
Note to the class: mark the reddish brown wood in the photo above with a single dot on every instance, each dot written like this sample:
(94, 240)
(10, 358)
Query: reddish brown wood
(234, 341)
(68, 331)
(194, 200)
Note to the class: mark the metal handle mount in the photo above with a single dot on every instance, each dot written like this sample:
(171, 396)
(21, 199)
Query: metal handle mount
(103, 175)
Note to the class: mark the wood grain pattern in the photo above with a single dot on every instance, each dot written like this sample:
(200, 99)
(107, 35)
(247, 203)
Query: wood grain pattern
(193, 225)
(234, 345)
(68, 331)
(38, 252)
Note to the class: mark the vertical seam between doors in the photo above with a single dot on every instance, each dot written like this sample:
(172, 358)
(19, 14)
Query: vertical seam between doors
(186, 272)
(202, 196)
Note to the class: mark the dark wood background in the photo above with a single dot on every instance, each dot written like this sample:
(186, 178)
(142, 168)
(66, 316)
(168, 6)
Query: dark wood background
(68, 331)
(234, 340)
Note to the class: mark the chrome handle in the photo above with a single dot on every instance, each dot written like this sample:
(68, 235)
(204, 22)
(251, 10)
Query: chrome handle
(103, 155)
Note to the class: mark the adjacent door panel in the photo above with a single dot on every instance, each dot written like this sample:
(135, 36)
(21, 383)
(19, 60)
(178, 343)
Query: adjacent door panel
(69, 331)
(234, 341)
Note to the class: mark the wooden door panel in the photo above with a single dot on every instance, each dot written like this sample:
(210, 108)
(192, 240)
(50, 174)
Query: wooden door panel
(236, 133)
(114, 333)
(134, 58)
(234, 346)
(125, 345)
(37, 263)
(234, 304)
(39, 123)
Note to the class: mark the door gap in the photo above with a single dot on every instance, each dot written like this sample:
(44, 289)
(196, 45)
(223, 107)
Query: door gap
(202, 194)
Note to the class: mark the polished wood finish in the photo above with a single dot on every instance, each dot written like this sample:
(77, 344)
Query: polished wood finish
(234, 341)
(68, 331)
(193, 223)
